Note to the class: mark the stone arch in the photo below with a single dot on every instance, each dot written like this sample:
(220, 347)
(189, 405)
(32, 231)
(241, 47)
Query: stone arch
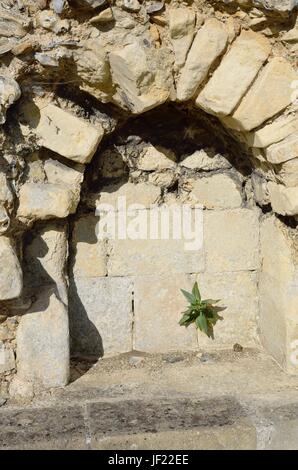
(232, 77)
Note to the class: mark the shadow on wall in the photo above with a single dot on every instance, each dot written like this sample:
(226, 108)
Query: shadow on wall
(85, 340)
(38, 281)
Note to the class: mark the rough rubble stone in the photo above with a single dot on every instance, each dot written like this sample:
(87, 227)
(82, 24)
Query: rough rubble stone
(232, 240)
(43, 342)
(273, 133)
(284, 200)
(219, 191)
(141, 193)
(9, 93)
(153, 159)
(209, 43)
(7, 359)
(64, 133)
(157, 309)
(232, 78)
(205, 160)
(182, 28)
(288, 173)
(101, 316)
(11, 278)
(45, 201)
(270, 94)
(278, 292)
(135, 79)
(283, 151)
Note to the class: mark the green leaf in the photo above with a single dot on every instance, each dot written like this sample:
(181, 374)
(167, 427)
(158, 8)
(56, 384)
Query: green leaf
(196, 291)
(210, 301)
(201, 323)
(190, 297)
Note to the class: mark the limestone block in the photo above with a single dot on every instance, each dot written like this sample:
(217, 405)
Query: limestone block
(232, 240)
(101, 316)
(284, 200)
(274, 132)
(219, 191)
(203, 160)
(56, 172)
(260, 189)
(270, 94)
(278, 287)
(132, 73)
(43, 342)
(6, 196)
(209, 43)
(9, 93)
(237, 292)
(141, 193)
(182, 27)
(40, 201)
(45, 257)
(64, 133)
(11, 278)
(153, 159)
(235, 74)
(89, 252)
(158, 304)
(7, 359)
(288, 173)
(154, 251)
(283, 151)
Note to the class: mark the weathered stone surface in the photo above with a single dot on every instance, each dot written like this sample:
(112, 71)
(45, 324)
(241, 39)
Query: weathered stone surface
(288, 173)
(277, 5)
(57, 172)
(238, 292)
(158, 310)
(101, 316)
(273, 133)
(44, 201)
(43, 428)
(153, 159)
(6, 196)
(283, 151)
(209, 43)
(45, 257)
(235, 74)
(260, 189)
(284, 200)
(43, 342)
(7, 359)
(9, 93)
(232, 240)
(131, 72)
(205, 160)
(270, 94)
(105, 16)
(11, 278)
(140, 256)
(89, 253)
(182, 28)
(279, 292)
(141, 193)
(64, 133)
(219, 191)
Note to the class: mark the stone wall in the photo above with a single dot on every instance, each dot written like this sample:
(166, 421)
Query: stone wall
(163, 103)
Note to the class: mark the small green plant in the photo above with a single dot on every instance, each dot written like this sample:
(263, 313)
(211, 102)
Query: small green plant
(200, 312)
